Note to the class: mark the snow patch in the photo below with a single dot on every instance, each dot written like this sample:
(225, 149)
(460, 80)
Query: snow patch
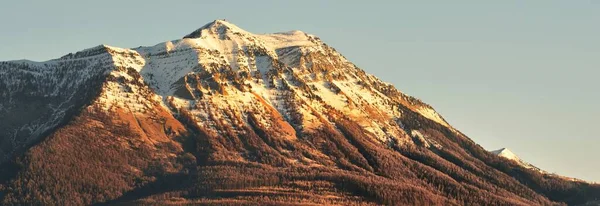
(432, 115)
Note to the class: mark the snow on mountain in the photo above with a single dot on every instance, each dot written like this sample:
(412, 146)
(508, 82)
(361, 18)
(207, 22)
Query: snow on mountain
(220, 47)
(294, 73)
(282, 100)
(506, 153)
(43, 94)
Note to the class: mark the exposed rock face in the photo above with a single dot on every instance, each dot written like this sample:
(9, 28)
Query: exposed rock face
(225, 116)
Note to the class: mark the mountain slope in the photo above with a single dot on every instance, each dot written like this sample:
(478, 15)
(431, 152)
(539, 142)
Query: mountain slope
(225, 116)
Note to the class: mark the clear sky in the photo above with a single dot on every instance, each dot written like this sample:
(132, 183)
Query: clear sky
(516, 74)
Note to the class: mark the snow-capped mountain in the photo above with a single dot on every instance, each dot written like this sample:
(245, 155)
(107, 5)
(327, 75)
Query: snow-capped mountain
(218, 65)
(225, 115)
(506, 153)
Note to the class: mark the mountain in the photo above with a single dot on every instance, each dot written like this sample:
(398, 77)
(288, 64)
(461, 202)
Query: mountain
(506, 153)
(227, 117)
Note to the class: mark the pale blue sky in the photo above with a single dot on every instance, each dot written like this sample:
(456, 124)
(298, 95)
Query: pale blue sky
(516, 74)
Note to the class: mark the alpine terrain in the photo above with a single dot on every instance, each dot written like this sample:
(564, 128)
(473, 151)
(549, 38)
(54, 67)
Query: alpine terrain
(227, 117)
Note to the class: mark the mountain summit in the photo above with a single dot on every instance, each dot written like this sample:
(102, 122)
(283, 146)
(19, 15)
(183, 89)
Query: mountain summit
(506, 153)
(216, 27)
(225, 116)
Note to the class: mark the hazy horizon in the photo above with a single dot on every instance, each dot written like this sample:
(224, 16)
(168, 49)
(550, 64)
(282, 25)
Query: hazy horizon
(510, 74)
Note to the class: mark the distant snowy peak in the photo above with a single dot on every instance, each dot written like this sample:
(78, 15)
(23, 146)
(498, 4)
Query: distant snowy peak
(506, 153)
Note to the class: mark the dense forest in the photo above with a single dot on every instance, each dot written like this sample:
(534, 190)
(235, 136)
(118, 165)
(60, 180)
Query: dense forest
(86, 163)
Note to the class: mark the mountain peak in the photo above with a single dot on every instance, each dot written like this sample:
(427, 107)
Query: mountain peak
(219, 26)
(220, 23)
(498, 151)
(506, 153)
